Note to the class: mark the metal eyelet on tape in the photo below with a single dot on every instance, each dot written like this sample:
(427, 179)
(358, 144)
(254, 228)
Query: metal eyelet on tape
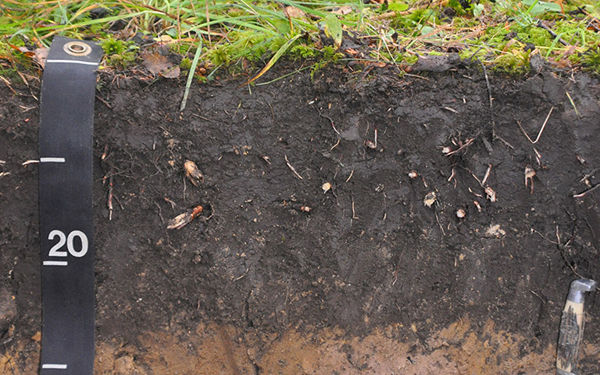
(77, 48)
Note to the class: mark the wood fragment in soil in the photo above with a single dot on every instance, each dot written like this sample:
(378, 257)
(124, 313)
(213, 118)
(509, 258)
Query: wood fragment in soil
(192, 172)
(185, 218)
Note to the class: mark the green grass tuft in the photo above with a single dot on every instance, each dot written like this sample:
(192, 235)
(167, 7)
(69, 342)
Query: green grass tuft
(591, 59)
(242, 35)
(119, 54)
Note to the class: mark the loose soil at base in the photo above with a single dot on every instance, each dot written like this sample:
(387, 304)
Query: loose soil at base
(371, 280)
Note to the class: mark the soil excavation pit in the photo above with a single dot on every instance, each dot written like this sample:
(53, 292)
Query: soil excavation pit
(444, 243)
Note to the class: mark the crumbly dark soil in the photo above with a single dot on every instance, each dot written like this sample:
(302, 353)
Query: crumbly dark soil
(369, 255)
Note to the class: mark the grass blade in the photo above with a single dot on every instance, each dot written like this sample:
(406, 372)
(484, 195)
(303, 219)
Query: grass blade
(191, 75)
(274, 59)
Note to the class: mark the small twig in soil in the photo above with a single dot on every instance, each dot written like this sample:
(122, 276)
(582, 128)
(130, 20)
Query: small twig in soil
(26, 109)
(104, 101)
(561, 247)
(538, 296)
(272, 111)
(538, 157)
(588, 175)
(474, 193)
(169, 201)
(491, 100)
(354, 217)
(119, 202)
(213, 210)
(202, 117)
(330, 120)
(109, 175)
(467, 144)
(452, 175)
(266, 159)
(544, 237)
(162, 219)
(109, 203)
(350, 176)
(7, 83)
(291, 167)
(416, 76)
(27, 162)
(554, 35)
(505, 142)
(375, 137)
(541, 130)
(487, 83)
(476, 178)
(440, 224)
(336, 144)
(584, 193)
(487, 174)
(450, 109)
(184, 188)
(573, 104)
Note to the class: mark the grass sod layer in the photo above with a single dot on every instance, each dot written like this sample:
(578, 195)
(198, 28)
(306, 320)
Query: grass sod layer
(245, 36)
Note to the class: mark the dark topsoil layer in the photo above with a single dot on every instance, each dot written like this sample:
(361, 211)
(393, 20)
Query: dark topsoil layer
(370, 252)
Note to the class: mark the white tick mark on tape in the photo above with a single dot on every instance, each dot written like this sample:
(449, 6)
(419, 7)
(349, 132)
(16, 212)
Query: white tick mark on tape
(55, 263)
(71, 62)
(52, 160)
(55, 366)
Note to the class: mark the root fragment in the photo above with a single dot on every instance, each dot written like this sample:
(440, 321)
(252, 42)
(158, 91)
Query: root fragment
(529, 175)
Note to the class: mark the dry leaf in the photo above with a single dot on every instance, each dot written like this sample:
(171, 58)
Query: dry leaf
(40, 55)
(351, 51)
(294, 12)
(343, 10)
(160, 64)
(164, 39)
(172, 73)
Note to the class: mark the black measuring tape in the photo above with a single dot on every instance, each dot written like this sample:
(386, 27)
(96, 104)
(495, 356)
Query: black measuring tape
(65, 198)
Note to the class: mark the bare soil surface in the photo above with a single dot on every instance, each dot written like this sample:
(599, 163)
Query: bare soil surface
(376, 275)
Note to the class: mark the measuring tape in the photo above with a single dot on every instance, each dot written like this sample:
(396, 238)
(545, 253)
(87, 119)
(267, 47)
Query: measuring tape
(65, 194)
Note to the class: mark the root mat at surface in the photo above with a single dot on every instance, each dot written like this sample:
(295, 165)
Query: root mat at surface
(350, 224)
